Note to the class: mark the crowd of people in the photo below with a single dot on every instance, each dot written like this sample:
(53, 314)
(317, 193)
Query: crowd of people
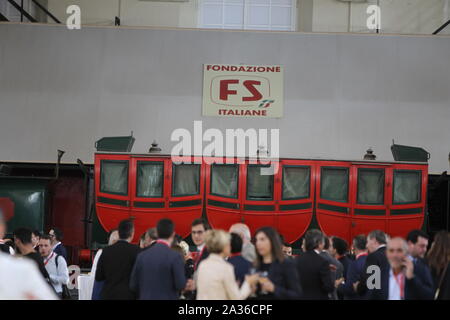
(233, 266)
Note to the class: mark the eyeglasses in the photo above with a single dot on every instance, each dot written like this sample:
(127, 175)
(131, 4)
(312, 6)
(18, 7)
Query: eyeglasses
(51, 235)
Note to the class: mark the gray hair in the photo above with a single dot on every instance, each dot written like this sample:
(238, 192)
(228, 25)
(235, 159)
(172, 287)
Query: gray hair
(242, 230)
(403, 241)
(313, 238)
(378, 235)
(152, 234)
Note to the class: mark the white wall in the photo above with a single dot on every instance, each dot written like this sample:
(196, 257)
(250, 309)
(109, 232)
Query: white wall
(343, 93)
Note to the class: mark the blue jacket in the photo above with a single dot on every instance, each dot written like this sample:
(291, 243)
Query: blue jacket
(354, 272)
(61, 250)
(241, 267)
(158, 274)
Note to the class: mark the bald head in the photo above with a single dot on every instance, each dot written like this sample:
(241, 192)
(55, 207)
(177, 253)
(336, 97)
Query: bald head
(242, 230)
(113, 238)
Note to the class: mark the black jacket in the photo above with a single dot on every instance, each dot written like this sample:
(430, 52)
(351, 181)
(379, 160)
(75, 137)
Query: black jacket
(315, 276)
(377, 258)
(36, 257)
(285, 278)
(114, 268)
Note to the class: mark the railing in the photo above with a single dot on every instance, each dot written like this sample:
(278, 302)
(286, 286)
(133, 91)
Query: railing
(24, 13)
(442, 27)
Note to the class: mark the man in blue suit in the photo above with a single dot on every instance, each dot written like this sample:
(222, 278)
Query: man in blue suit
(158, 273)
(355, 269)
(402, 280)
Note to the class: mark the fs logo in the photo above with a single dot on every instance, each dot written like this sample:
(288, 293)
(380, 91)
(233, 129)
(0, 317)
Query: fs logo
(240, 91)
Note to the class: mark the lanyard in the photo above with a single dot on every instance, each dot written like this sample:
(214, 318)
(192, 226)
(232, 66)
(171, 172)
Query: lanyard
(400, 279)
(48, 259)
(197, 260)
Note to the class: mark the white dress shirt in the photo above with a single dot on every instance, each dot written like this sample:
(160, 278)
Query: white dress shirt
(394, 286)
(20, 279)
(58, 276)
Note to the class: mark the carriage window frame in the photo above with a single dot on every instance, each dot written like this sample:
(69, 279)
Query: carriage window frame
(347, 169)
(173, 180)
(383, 192)
(139, 162)
(282, 183)
(419, 172)
(273, 183)
(127, 163)
(211, 182)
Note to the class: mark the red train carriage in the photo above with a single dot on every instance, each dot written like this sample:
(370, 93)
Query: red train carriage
(147, 188)
(347, 197)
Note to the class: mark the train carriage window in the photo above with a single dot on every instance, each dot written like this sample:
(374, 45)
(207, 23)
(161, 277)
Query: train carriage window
(224, 180)
(370, 186)
(334, 184)
(186, 180)
(296, 182)
(407, 185)
(259, 187)
(114, 177)
(150, 179)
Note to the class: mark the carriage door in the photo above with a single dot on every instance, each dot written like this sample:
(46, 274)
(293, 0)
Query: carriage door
(333, 200)
(186, 194)
(369, 209)
(223, 198)
(408, 198)
(259, 198)
(149, 192)
(112, 189)
(296, 198)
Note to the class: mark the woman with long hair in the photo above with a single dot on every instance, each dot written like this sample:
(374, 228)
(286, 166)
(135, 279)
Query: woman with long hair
(278, 275)
(438, 259)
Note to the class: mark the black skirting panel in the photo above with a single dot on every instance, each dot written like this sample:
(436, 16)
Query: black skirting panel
(329, 207)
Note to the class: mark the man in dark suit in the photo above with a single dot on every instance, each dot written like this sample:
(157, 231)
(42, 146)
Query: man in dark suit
(241, 265)
(340, 248)
(376, 245)
(115, 265)
(56, 236)
(355, 269)
(314, 270)
(198, 233)
(402, 280)
(159, 271)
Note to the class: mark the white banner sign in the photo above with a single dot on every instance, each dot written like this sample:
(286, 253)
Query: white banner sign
(242, 91)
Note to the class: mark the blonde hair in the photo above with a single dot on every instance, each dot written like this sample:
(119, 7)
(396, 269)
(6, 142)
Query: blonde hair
(216, 240)
(185, 247)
